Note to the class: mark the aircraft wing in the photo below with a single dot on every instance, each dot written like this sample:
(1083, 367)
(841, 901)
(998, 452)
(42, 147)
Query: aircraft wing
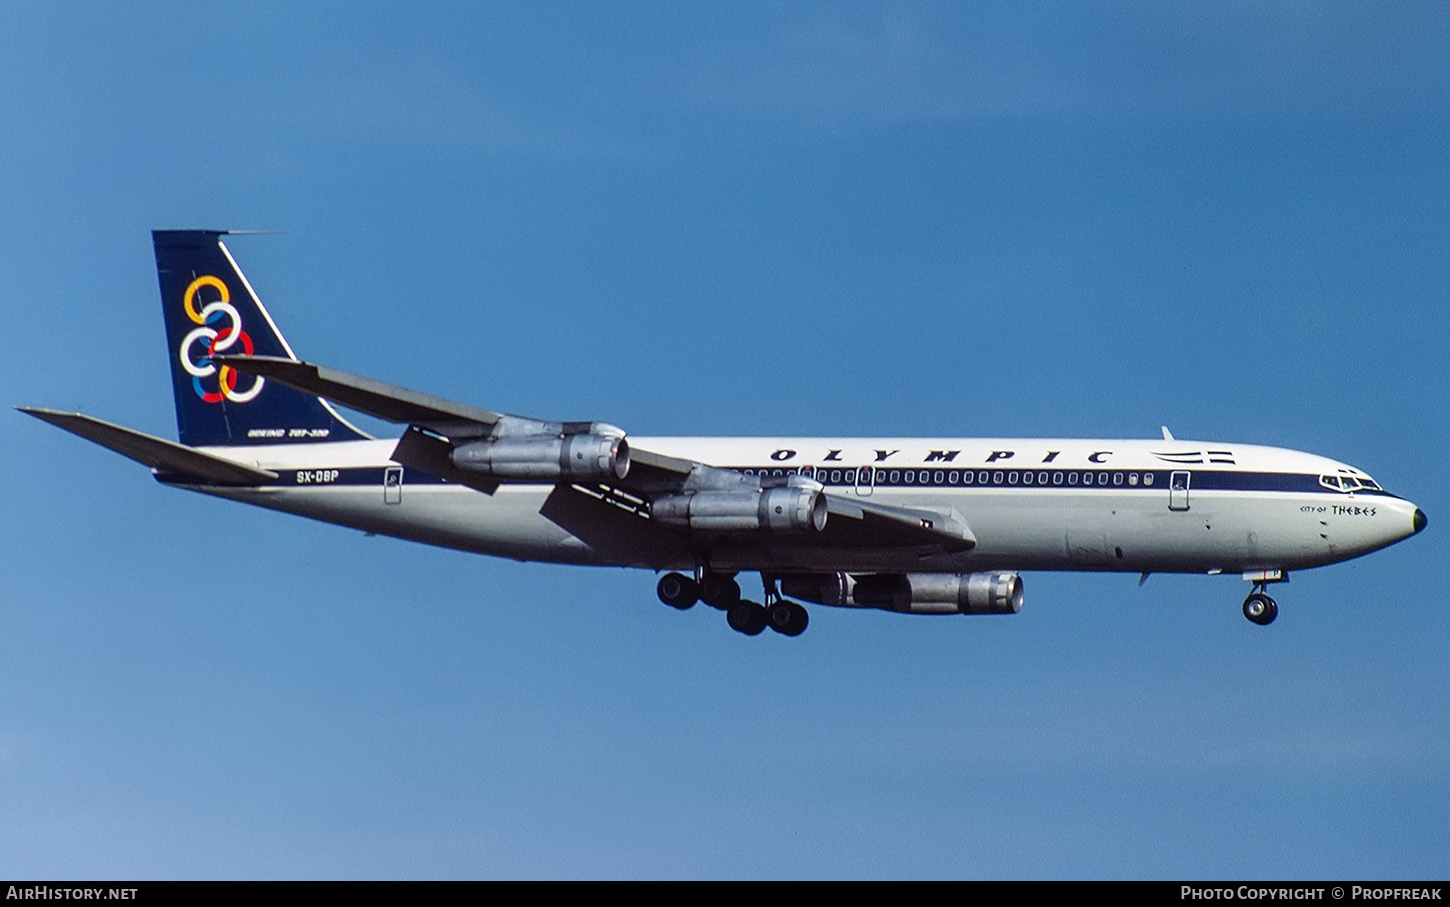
(382, 401)
(158, 453)
(881, 525)
(436, 425)
(439, 427)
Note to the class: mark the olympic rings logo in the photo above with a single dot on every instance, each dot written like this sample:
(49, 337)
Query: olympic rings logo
(216, 340)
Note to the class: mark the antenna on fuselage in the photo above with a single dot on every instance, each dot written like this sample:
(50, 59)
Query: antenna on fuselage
(1167, 435)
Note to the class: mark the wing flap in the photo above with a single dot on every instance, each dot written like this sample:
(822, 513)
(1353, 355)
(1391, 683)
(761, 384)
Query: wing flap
(149, 450)
(869, 523)
(652, 473)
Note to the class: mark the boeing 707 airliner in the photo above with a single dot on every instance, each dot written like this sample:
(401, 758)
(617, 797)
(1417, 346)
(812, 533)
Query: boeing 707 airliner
(915, 525)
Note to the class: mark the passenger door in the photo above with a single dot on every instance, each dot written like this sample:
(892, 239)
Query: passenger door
(1178, 490)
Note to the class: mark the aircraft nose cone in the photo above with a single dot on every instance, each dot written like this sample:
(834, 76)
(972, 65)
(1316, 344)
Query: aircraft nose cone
(1420, 520)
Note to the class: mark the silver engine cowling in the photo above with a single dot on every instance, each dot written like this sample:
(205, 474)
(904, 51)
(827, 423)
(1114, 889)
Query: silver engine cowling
(577, 457)
(784, 509)
(912, 593)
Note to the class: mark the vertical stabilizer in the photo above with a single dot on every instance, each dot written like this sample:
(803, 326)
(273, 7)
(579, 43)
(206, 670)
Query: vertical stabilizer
(210, 309)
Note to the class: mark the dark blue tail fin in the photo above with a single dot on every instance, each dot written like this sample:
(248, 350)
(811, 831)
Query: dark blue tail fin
(211, 309)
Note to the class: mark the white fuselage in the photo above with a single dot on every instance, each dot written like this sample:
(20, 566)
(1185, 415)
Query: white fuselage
(1031, 504)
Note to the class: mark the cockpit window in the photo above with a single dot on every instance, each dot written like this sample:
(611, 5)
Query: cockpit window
(1348, 483)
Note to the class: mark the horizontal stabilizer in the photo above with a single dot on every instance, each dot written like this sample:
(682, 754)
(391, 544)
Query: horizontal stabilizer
(382, 401)
(148, 450)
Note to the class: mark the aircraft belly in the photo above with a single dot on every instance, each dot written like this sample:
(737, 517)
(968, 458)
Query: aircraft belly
(509, 523)
(1137, 532)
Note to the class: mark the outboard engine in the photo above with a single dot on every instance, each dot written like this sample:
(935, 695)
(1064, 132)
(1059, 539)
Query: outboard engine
(912, 593)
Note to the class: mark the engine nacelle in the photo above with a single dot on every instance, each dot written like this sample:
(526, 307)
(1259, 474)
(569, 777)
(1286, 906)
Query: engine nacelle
(786, 509)
(546, 458)
(913, 593)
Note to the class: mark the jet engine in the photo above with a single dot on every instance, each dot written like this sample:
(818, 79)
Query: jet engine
(546, 458)
(789, 508)
(913, 593)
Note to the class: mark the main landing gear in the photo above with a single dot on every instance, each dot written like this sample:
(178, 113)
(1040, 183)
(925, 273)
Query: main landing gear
(719, 590)
(1259, 607)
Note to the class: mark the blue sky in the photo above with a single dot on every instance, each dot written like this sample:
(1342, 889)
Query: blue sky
(849, 219)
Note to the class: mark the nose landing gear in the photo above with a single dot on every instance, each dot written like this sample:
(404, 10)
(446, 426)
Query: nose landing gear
(1260, 608)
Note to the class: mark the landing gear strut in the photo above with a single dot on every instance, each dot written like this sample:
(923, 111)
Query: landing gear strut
(781, 615)
(1259, 607)
(720, 590)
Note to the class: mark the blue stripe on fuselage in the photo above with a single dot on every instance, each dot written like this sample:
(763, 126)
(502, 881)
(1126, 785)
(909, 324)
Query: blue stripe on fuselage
(1135, 481)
